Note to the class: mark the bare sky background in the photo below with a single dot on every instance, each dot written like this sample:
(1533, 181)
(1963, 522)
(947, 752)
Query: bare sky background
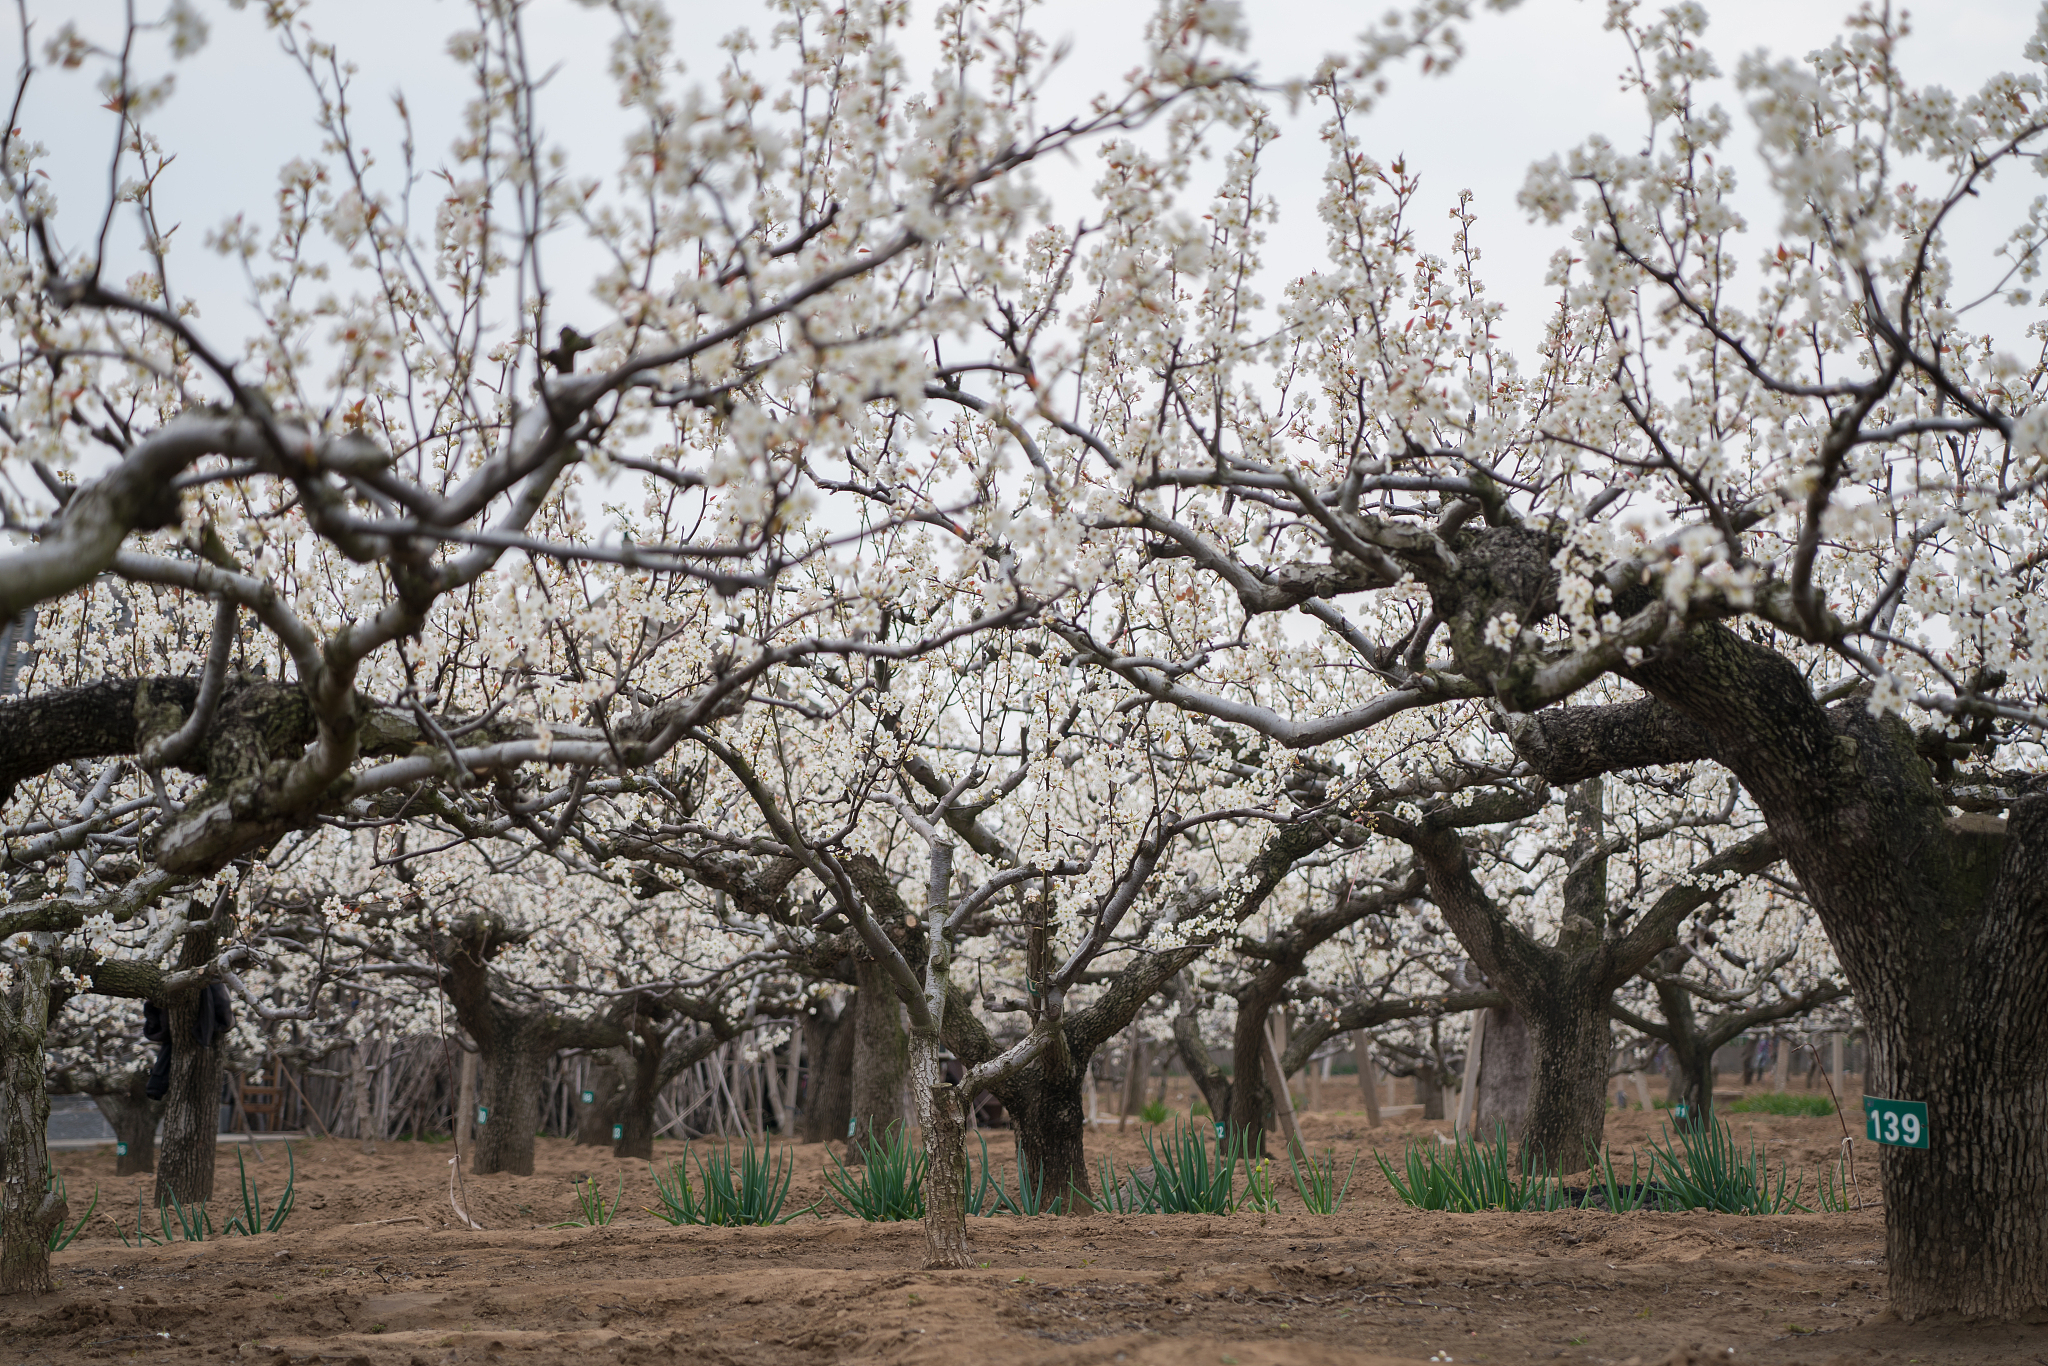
(1535, 81)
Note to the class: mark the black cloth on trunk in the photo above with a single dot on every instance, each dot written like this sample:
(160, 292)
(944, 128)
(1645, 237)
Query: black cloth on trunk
(215, 1015)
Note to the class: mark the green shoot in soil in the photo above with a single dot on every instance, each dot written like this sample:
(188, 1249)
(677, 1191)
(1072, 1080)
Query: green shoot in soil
(1195, 1171)
(597, 1212)
(890, 1186)
(1132, 1196)
(725, 1197)
(1470, 1176)
(252, 1219)
(1708, 1170)
(1318, 1187)
(1620, 1196)
(1031, 1200)
(60, 1237)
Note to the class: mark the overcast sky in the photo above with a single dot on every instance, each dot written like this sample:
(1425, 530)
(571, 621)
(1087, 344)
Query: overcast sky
(1535, 81)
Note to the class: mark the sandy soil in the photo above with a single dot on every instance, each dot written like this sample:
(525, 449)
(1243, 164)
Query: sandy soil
(374, 1270)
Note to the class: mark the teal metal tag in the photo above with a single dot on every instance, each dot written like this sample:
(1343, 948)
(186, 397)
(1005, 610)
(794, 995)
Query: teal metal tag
(590, 1097)
(1895, 1123)
(618, 1132)
(483, 1114)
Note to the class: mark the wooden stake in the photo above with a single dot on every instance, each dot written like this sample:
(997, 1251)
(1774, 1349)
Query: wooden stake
(1468, 1095)
(1283, 1104)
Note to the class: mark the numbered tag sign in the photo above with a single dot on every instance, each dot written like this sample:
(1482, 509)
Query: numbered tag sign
(483, 1114)
(618, 1132)
(590, 1097)
(120, 1150)
(1896, 1123)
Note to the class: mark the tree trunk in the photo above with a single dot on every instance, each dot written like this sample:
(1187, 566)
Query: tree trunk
(191, 1109)
(1504, 1073)
(1050, 1115)
(1251, 1096)
(939, 1113)
(1135, 1063)
(881, 1053)
(29, 1207)
(511, 1071)
(359, 1076)
(607, 1088)
(1429, 1092)
(1567, 1120)
(133, 1117)
(634, 1103)
(1368, 1076)
(1941, 925)
(1692, 1057)
(192, 1104)
(827, 1107)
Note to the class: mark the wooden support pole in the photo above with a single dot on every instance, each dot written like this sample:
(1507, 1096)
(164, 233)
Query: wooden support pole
(1283, 1104)
(1468, 1094)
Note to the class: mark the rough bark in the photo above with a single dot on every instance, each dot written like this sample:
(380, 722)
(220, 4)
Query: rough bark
(1941, 926)
(29, 1207)
(192, 1104)
(658, 1056)
(628, 1101)
(514, 1037)
(881, 1054)
(1368, 1078)
(827, 1106)
(1429, 1092)
(1049, 1113)
(1136, 1065)
(1506, 1067)
(122, 1096)
(511, 1060)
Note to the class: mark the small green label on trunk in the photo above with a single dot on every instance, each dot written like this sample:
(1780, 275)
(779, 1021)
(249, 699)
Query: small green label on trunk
(618, 1132)
(483, 1114)
(590, 1097)
(120, 1150)
(1896, 1123)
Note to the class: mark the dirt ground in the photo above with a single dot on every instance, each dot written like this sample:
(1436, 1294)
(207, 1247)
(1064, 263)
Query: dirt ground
(373, 1269)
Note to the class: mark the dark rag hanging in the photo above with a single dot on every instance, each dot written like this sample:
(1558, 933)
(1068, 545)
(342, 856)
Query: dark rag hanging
(214, 1017)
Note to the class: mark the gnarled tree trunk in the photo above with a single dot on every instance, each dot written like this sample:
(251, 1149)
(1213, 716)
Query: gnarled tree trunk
(881, 1054)
(29, 1207)
(1569, 1039)
(192, 1104)
(1050, 1116)
(1941, 924)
